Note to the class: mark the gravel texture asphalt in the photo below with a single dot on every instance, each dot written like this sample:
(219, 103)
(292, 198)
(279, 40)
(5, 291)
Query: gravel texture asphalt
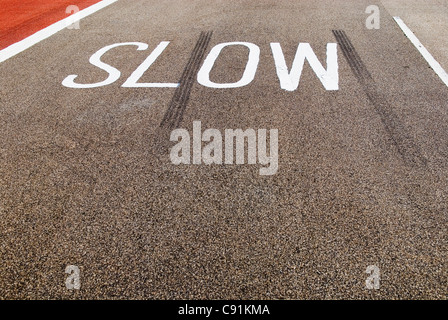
(86, 178)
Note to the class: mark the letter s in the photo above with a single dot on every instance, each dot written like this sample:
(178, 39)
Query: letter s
(95, 60)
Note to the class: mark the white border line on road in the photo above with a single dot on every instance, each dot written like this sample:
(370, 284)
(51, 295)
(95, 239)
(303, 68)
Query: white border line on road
(425, 53)
(47, 32)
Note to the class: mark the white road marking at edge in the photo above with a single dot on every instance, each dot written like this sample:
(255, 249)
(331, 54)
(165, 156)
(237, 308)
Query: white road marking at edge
(43, 34)
(425, 53)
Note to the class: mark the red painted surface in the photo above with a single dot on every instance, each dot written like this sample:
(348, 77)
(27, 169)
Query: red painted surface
(21, 18)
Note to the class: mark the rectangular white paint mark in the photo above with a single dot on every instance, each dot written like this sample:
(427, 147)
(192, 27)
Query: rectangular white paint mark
(47, 32)
(425, 53)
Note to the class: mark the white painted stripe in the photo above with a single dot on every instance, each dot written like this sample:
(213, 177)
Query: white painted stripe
(43, 34)
(425, 53)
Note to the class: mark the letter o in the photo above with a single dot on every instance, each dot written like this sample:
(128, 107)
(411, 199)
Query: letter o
(249, 72)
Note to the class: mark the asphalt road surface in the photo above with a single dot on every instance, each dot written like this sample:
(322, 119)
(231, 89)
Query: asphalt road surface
(86, 177)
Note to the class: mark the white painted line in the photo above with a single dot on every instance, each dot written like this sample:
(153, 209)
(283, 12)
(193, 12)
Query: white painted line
(43, 34)
(425, 53)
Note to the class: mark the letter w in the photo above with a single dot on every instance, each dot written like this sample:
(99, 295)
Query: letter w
(290, 81)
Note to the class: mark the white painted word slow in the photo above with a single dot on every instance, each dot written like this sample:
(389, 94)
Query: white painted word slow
(289, 79)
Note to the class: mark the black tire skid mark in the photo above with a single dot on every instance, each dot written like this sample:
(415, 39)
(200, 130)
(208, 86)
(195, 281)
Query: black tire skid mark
(406, 147)
(174, 114)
